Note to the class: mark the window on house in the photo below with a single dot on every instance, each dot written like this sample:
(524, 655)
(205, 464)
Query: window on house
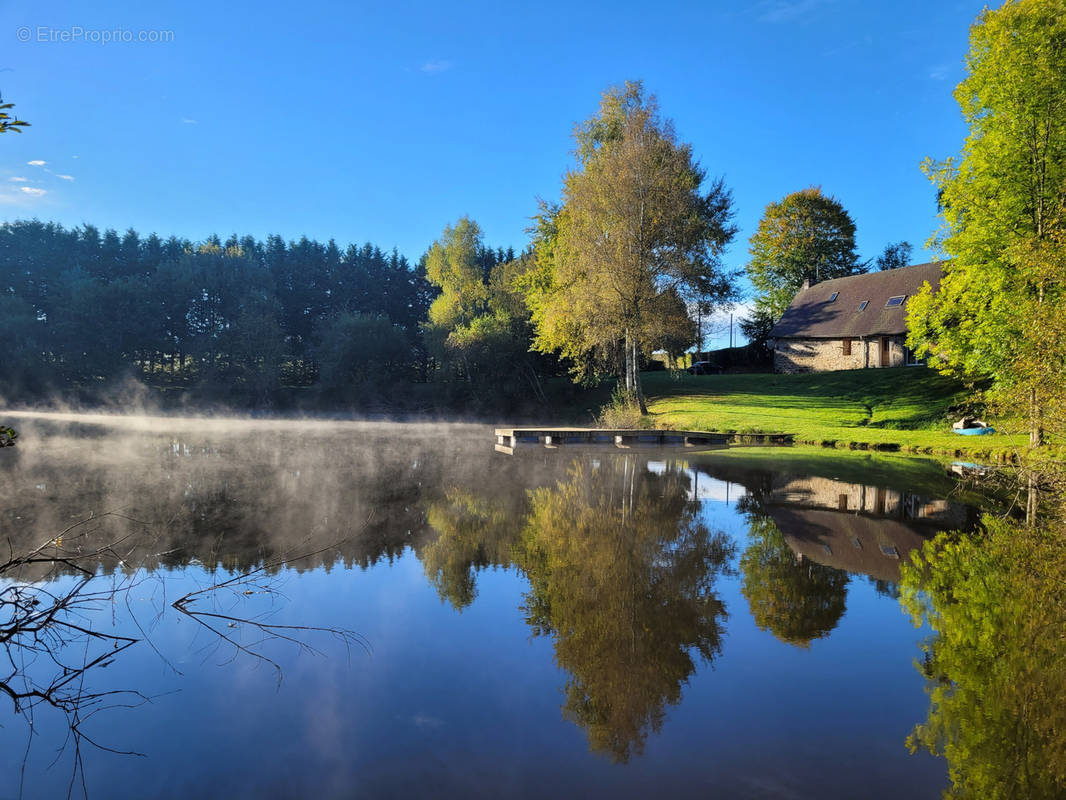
(847, 347)
(863, 304)
(895, 301)
(832, 297)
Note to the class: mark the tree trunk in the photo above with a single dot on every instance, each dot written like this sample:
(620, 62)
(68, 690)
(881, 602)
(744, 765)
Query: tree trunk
(1032, 501)
(637, 389)
(1036, 429)
(628, 370)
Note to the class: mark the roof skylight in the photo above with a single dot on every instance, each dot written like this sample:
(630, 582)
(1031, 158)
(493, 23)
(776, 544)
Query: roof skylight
(895, 301)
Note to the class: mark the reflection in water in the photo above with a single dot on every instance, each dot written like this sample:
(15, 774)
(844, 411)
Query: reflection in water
(997, 663)
(49, 653)
(796, 600)
(473, 533)
(622, 534)
(622, 572)
(861, 529)
(807, 534)
(616, 565)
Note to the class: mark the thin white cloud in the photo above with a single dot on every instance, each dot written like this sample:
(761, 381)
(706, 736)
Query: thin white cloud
(37, 163)
(19, 179)
(65, 177)
(190, 121)
(940, 72)
(739, 311)
(33, 191)
(433, 67)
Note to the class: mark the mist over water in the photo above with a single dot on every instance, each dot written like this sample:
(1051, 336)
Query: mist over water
(566, 620)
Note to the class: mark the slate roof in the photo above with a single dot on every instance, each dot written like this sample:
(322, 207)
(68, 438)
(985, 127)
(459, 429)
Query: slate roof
(813, 316)
(851, 542)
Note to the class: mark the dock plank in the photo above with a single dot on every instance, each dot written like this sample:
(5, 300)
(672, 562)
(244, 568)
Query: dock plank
(628, 437)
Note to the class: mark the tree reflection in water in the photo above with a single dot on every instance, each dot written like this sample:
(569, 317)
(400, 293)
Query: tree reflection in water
(794, 598)
(474, 532)
(621, 572)
(997, 662)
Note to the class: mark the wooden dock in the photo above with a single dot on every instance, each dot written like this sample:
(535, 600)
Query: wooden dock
(507, 439)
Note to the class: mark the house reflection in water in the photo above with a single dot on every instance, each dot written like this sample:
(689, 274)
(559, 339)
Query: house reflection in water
(861, 529)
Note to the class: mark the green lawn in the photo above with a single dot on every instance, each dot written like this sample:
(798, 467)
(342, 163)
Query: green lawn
(906, 408)
(908, 473)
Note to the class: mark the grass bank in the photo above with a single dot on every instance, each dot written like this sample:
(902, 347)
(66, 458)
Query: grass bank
(906, 409)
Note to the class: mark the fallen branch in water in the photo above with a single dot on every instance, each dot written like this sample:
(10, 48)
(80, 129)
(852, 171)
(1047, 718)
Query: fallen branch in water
(49, 648)
(249, 583)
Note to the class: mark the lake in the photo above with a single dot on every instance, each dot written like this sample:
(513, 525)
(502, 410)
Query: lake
(282, 609)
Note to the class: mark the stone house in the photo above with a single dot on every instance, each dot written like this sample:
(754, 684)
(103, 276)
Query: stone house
(851, 323)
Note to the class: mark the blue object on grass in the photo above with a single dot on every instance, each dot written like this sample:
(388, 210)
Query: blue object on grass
(974, 431)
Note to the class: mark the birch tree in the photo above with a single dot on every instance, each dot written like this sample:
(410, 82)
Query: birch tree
(640, 231)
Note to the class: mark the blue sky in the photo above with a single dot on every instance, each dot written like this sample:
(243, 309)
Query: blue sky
(386, 121)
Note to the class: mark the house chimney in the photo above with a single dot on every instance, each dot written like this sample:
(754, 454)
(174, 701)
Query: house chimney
(806, 284)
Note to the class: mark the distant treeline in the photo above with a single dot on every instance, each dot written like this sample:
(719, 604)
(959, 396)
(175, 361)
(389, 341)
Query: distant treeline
(236, 321)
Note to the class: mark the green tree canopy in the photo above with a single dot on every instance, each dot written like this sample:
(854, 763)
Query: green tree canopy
(454, 265)
(639, 232)
(805, 236)
(1003, 202)
(479, 326)
(9, 122)
(895, 255)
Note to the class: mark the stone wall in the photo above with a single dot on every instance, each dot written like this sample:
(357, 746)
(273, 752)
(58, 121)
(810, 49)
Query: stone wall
(826, 355)
(834, 495)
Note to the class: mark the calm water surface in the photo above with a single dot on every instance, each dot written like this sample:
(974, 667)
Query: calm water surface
(569, 622)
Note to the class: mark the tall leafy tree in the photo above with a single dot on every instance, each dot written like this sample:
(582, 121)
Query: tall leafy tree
(478, 325)
(454, 265)
(1003, 201)
(805, 236)
(639, 232)
(895, 255)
